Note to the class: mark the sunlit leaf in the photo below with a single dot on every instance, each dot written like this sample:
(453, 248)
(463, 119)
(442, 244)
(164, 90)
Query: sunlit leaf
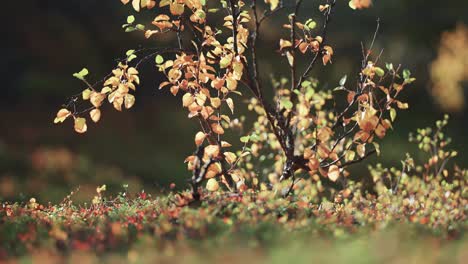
(95, 115)
(62, 114)
(212, 185)
(80, 125)
(333, 173)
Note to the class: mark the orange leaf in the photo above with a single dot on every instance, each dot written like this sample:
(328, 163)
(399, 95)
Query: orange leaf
(62, 114)
(217, 128)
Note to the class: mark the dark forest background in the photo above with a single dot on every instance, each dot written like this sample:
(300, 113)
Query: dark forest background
(45, 41)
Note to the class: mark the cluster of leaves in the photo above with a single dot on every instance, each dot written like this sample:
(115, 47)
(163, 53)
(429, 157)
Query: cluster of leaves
(306, 129)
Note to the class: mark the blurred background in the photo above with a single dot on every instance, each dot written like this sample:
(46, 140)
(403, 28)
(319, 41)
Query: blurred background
(45, 42)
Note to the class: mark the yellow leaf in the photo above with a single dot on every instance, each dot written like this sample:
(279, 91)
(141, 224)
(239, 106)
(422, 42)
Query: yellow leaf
(333, 173)
(212, 151)
(361, 150)
(290, 58)
(225, 144)
(285, 44)
(80, 125)
(136, 5)
(106, 90)
(62, 114)
(86, 94)
(230, 103)
(176, 8)
(96, 99)
(95, 115)
(118, 101)
(215, 102)
(212, 185)
(129, 101)
(187, 99)
(199, 138)
(230, 157)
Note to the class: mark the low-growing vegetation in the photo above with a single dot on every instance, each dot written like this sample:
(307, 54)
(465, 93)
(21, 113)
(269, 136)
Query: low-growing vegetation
(406, 211)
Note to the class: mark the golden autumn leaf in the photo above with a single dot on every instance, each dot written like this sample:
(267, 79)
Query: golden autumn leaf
(215, 102)
(117, 103)
(230, 103)
(187, 99)
(199, 138)
(136, 5)
(176, 8)
(290, 58)
(86, 94)
(313, 164)
(217, 128)
(212, 185)
(95, 115)
(217, 83)
(273, 4)
(96, 99)
(225, 144)
(214, 170)
(230, 157)
(212, 151)
(285, 44)
(129, 101)
(333, 173)
(62, 114)
(361, 150)
(80, 125)
(238, 69)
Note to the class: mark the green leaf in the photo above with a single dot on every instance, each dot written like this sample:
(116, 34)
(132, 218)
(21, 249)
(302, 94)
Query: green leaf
(131, 57)
(379, 71)
(349, 155)
(245, 139)
(82, 74)
(254, 137)
(286, 103)
(310, 24)
(406, 74)
(393, 114)
(389, 66)
(130, 29)
(130, 19)
(201, 14)
(306, 84)
(224, 63)
(159, 59)
(129, 52)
